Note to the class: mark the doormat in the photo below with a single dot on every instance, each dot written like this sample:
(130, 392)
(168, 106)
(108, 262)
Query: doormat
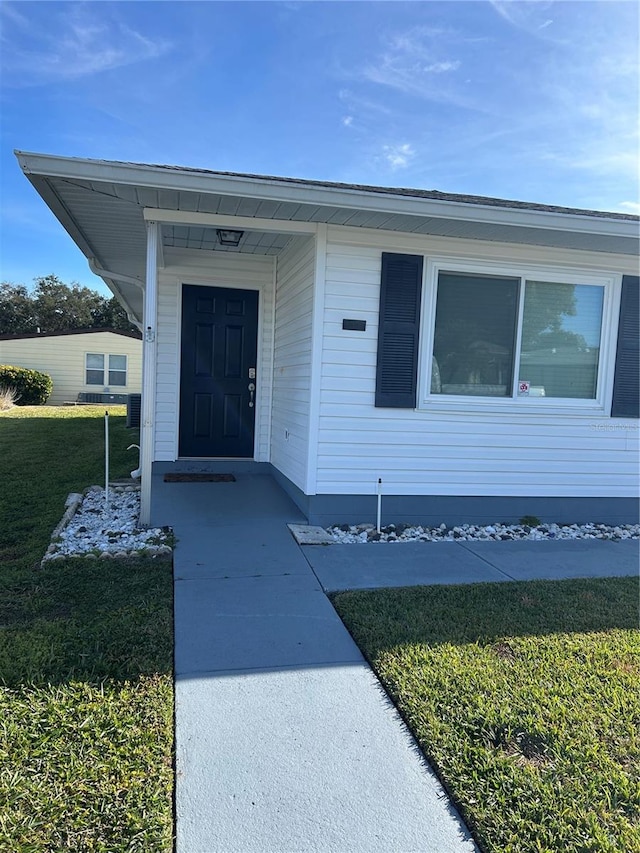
(199, 478)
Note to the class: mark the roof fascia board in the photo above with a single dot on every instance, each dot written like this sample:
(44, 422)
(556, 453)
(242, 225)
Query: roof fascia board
(214, 220)
(356, 199)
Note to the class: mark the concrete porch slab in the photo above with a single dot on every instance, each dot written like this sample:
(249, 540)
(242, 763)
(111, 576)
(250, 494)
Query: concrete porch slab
(309, 760)
(252, 622)
(251, 498)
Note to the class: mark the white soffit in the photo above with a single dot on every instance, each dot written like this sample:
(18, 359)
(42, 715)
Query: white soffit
(103, 206)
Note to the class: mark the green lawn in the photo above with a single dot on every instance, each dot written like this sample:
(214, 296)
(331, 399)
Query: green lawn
(86, 687)
(525, 697)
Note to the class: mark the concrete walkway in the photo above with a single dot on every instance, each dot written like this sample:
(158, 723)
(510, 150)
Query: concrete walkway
(285, 742)
(370, 565)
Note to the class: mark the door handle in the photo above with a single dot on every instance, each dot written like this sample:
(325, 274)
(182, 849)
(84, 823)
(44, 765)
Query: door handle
(252, 388)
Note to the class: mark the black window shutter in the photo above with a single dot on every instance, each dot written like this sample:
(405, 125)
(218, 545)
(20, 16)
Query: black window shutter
(627, 379)
(399, 331)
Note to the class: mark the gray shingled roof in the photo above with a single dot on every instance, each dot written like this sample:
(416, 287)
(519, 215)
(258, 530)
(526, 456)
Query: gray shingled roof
(436, 195)
(94, 331)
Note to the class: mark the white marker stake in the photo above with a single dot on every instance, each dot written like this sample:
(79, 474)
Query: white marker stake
(106, 461)
(379, 503)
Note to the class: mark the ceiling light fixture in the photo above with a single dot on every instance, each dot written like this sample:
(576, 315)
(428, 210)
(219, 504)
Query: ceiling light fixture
(228, 237)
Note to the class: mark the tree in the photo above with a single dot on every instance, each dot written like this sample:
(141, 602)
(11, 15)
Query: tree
(60, 307)
(16, 310)
(57, 307)
(112, 315)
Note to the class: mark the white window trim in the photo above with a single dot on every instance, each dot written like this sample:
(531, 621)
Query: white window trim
(108, 369)
(106, 356)
(87, 369)
(612, 284)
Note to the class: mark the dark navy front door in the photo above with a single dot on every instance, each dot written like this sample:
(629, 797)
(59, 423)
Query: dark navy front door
(218, 371)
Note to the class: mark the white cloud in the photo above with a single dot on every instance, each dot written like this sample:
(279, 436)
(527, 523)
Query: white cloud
(10, 12)
(524, 14)
(545, 96)
(423, 62)
(593, 105)
(77, 42)
(362, 106)
(598, 157)
(442, 67)
(347, 121)
(630, 207)
(411, 76)
(398, 156)
(410, 58)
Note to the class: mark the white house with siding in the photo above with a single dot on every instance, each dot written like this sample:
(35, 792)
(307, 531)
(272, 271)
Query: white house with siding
(83, 363)
(474, 358)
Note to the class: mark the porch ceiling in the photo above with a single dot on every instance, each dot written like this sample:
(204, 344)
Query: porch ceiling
(101, 204)
(252, 242)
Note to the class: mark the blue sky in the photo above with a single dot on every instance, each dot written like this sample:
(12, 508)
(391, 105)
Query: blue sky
(536, 101)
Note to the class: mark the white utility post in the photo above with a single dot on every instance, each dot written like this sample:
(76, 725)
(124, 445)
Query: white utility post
(149, 344)
(106, 461)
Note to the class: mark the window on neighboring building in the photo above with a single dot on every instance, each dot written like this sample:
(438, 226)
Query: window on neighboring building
(116, 369)
(95, 368)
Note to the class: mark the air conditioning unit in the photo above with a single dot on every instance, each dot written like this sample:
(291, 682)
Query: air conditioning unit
(134, 404)
(89, 397)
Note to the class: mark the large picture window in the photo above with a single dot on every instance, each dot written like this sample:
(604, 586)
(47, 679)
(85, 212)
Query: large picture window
(515, 336)
(115, 367)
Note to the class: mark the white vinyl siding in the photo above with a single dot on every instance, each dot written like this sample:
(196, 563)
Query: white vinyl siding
(63, 357)
(222, 269)
(292, 359)
(455, 452)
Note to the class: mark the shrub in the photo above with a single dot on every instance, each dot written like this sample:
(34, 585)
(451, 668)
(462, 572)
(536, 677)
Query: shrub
(8, 397)
(32, 387)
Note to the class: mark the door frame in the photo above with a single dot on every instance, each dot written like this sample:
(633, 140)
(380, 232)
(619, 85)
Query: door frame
(264, 364)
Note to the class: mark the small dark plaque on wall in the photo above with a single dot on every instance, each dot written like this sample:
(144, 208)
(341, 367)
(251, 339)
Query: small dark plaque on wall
(354, 325)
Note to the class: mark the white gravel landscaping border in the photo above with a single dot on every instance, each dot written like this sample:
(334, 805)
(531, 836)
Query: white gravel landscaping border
(346, 534)
(89, 528)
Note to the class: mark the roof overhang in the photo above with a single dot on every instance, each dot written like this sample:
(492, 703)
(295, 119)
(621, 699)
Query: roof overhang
(104, 205)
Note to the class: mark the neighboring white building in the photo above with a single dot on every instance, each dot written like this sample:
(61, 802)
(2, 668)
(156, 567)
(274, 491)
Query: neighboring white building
(88, 362)
(477, 356)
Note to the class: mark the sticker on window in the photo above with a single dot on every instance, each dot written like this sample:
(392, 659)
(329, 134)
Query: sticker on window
(523, 388)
